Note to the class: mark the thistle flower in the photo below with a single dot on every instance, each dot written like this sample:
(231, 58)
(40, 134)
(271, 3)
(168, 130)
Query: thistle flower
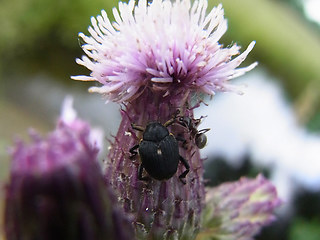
(56, 190)
(152, 60)
(168, 48)
(238, 210)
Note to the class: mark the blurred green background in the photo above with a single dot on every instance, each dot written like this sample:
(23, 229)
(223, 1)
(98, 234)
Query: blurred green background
(39, 43)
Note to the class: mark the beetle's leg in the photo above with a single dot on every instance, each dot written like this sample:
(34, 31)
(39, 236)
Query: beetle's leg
(184, 174)
(183, 140)
(140, 171)
(133, 151)
(180, 138)
(137, 127)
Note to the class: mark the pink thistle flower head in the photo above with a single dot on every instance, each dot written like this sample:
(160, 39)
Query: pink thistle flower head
(56, 189)
(238, 210)
(170, 48)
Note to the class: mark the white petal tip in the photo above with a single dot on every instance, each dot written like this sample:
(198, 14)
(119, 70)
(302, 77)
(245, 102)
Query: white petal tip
(100, 90)
(251, 45)
(83, 78)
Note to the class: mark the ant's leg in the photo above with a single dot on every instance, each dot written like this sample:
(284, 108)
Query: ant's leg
(184, 174)
(204, 130)
(173, 119)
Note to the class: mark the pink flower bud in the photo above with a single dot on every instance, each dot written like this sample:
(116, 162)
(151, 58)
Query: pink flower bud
(56, 190)
(238, 210)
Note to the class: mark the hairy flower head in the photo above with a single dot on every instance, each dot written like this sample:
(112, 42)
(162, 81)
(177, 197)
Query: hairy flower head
(238, 210)
(167, 47)
(56, 189)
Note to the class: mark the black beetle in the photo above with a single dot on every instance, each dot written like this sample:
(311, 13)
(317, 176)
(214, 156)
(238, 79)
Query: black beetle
(159, 152)
(191, 124)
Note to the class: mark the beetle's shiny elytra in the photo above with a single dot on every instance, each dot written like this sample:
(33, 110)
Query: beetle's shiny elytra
(159, 152)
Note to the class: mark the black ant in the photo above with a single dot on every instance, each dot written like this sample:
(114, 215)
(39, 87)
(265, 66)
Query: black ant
(200, 139)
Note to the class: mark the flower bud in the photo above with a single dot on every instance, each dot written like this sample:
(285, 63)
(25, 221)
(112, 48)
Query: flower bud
(238, 210)
(56, 190)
